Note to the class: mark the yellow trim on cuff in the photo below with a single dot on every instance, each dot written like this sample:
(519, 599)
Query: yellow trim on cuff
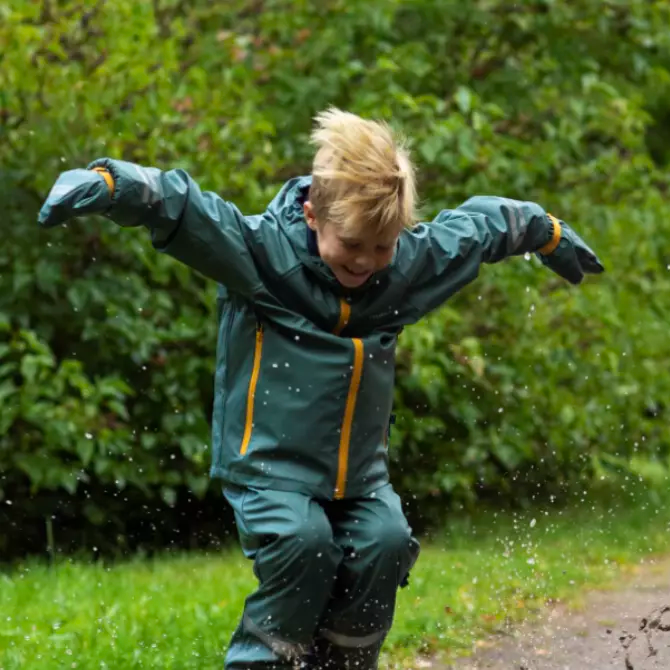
(109, 180)
(555, 239)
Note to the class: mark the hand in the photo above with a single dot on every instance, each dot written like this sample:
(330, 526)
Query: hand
(568, 255)
(76, 193)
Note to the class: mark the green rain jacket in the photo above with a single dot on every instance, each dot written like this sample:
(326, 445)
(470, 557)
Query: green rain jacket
(304, 368)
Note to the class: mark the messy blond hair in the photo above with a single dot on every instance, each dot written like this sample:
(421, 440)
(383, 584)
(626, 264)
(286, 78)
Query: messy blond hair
(362, 175)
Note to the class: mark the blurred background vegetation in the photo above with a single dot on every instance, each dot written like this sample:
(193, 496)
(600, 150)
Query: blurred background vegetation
(519, 390)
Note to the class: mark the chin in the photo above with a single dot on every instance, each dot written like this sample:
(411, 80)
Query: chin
(350, 281)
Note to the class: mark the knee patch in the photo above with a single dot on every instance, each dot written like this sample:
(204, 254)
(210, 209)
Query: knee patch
(393, 537)
(413, 555)
(393, 541)
(308, 542)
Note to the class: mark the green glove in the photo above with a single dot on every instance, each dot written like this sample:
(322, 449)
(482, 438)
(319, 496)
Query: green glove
(568, 255)
(76, 193)
(139, 193)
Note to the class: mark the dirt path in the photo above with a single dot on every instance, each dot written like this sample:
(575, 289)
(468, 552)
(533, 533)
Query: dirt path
(624, 629)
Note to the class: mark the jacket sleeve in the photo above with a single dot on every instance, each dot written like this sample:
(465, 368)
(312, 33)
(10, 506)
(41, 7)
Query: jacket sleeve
(197, 228)
(441, 257)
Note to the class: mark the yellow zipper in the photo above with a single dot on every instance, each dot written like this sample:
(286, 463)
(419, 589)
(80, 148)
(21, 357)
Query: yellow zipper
(248, 424)
(345, 435)
(345, 313)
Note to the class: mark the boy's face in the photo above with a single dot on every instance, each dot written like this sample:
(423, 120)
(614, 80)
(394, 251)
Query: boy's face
(352, 258)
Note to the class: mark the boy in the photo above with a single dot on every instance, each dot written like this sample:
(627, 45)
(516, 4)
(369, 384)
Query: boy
(313, 294)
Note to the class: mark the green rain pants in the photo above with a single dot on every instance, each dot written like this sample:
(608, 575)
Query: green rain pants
(328, 574)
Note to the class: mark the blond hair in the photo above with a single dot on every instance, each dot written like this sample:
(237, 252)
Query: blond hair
(362, 175)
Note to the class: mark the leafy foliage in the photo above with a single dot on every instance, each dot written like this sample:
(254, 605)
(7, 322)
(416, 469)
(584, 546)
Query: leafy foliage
(520, 385)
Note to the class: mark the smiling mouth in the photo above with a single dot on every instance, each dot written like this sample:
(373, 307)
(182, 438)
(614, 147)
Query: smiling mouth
(357, 274)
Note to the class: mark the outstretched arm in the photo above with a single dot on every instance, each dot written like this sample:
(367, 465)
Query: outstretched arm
(441, 257)
(197, 228)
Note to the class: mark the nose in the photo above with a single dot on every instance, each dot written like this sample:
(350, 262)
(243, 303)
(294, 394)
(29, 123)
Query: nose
(364, 259)
(363, 262)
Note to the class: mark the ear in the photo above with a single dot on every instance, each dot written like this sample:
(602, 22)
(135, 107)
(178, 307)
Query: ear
(309, 215)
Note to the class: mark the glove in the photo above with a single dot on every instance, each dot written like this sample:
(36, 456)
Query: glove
(76, 193)
(568, 255)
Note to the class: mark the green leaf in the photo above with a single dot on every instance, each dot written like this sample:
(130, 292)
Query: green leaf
(463, 98)
(198, 484)
(85, 450)
(95, 514)
(169, 495)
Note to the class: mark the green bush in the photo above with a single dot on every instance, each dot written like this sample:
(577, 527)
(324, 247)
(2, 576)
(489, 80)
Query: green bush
(520, 386)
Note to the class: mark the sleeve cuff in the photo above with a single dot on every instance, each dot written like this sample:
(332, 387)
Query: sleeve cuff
(550, 246)
(106, 175)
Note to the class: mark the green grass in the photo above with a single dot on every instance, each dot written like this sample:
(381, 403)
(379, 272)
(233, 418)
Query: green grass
(178, 612)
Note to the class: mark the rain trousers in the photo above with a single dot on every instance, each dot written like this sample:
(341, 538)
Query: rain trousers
(304, 389)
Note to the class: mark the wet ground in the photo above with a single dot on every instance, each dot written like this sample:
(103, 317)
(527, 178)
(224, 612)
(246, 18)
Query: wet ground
(624, 629)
